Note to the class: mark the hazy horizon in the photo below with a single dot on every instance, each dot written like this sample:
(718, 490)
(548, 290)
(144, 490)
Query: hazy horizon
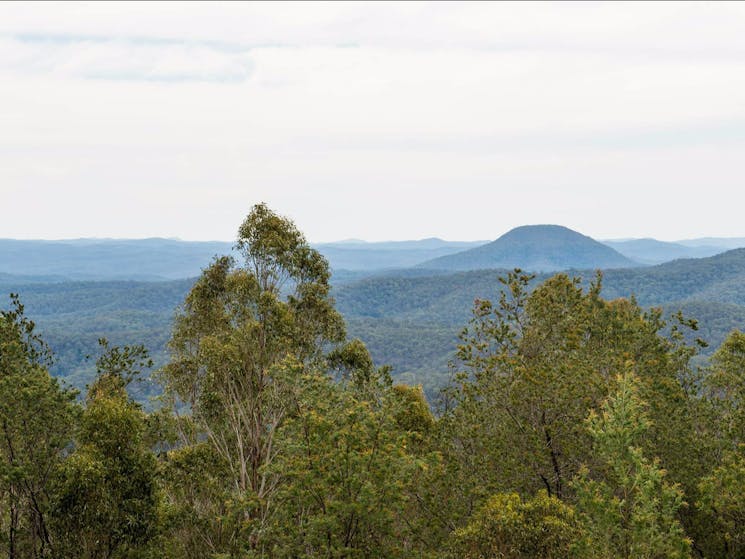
(351, 240)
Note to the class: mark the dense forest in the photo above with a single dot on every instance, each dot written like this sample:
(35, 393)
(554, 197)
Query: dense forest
(408, 318)
(570, 425)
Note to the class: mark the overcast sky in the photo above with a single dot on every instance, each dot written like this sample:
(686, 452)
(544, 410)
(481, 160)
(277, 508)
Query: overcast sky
(373, 121)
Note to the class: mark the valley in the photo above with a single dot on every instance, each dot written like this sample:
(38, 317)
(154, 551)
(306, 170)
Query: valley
(409, 315)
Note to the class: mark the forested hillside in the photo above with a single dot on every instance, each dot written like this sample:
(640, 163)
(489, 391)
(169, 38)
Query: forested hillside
(572, 426)
(409, 319)
(73, 315)
(419, 309)
(108, 259)
(162, 259)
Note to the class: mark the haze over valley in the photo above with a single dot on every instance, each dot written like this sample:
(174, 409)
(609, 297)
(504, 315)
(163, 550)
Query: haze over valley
(407, 300)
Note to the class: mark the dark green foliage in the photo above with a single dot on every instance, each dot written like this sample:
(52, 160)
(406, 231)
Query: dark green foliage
(36, 425)
(106, 496)
(532, 367)
(346, 469)
(197, 516)
(721, 491)
(723, 497)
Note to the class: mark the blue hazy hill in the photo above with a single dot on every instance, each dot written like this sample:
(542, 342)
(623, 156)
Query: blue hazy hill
(539, 248)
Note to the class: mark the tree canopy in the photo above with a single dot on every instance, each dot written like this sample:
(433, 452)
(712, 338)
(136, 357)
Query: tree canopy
(572, 426)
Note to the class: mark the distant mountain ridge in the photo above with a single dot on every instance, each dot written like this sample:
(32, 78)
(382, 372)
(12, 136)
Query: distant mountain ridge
(728, 243)
(109, 259)
(409, 318)
(156, 259)
(652, 251)
(360, 255)
(538, 248)
(164, 259)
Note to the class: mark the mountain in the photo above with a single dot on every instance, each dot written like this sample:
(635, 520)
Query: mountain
(163, 259)
(446, 298)
(539, 248)
(719, 278)
(652, 251)
(409, 318)
(412, 322)
(727, 242)
(108, 259)
(360, 255)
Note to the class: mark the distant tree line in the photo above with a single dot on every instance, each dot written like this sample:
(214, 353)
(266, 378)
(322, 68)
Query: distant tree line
(572, 426)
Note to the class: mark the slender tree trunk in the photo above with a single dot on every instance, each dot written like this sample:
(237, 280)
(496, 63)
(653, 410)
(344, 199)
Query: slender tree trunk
(554, 457)
(13, 530)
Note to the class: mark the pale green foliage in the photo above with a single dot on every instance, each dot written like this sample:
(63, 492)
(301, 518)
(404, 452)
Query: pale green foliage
(506, 527)
(626, 503)
(412, 413)
(244, 336)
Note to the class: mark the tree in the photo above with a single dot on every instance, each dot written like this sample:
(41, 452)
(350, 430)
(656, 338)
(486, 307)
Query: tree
(506, 527)
(726, 388)
(628, 506)
(197, 516)
(529, 370)
(36, 425)
(106, 496)
(348, 456)
(721, 491)
(241, 340)
(723, 496)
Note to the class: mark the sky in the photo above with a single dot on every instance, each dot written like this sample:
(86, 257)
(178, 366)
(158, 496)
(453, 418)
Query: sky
(377, 121)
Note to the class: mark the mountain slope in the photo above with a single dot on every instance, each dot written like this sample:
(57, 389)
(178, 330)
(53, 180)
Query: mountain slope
(447, 297)
(409, 318)
(718, 278)
(164, 259)
(539, 248)
(412, 322)
(360, 255)
(728, 242)
(109, 259)
(652, 251)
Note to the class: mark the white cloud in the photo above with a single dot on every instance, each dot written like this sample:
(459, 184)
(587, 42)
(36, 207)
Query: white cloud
(121, 60)
(372, 120)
